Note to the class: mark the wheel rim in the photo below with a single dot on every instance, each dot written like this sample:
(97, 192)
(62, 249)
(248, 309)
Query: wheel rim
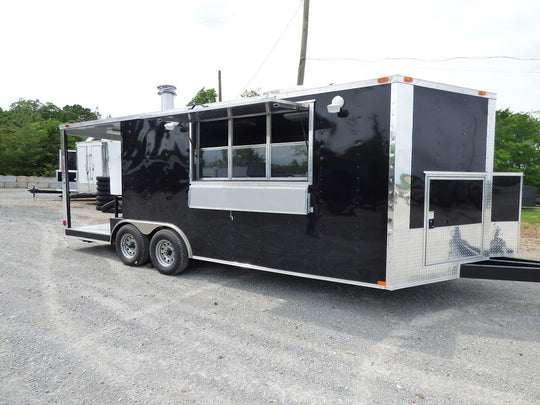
(128, 245)
(165, 253)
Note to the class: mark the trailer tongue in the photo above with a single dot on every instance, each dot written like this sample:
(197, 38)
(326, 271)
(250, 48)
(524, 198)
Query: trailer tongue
(503, 268)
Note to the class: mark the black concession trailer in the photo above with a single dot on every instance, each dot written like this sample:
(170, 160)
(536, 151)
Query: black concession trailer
(385, 183)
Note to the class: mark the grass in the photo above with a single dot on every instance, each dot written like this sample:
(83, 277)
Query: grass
(530, 215)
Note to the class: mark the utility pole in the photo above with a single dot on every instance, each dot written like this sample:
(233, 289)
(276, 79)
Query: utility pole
(219, 85)
(302, 64)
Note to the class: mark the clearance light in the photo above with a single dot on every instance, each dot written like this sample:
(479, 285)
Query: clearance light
(383, 79)
(66, 126)
(408, 79)
(482, 93)
(383, 283)
(64, 222)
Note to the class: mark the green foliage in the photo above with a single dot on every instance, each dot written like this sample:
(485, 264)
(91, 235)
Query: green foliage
(204, 96)
(251, 93)
(517, 145)
(530, 216)
(29, 137)
(76, 113)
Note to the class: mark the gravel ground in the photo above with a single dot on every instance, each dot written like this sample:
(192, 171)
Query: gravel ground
(79, 327)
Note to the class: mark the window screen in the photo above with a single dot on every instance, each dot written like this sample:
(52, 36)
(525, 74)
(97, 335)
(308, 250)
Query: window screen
(249, 131)
(252, 150)
(213, 153)
(215, 134)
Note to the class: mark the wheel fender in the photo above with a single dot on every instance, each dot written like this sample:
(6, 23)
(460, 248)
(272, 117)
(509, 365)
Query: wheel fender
(148, 228)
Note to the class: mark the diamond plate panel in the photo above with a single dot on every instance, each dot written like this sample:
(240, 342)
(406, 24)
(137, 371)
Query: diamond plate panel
(406, 267)
(503, 239)
(450, 244)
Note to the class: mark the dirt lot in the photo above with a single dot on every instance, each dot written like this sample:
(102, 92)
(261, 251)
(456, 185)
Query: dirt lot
(79, 327)
(530, 241)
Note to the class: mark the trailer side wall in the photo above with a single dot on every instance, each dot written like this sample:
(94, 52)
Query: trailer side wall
(344, 237)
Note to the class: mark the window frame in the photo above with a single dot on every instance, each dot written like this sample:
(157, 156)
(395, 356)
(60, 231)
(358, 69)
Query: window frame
(195, 149)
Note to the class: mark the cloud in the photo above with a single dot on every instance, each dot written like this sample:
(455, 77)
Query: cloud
(212, 13)
(114, 53)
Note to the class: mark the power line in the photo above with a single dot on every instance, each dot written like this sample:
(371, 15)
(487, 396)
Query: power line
(433, 60)
(271, 50)
(453, 69)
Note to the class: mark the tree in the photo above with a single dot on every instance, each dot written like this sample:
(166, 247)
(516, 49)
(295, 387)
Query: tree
(29, 139)
(76, 113)
(203, 97)
(517, 145)
(251, 93)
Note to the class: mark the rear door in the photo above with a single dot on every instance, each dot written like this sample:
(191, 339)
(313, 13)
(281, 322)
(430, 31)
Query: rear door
(454, 216)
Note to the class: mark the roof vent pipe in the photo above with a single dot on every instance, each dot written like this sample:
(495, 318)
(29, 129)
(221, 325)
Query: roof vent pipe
(167, 93)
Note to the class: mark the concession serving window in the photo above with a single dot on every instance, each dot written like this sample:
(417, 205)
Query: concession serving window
(255, 157)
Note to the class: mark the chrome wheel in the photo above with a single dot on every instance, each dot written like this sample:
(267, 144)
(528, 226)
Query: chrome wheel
(131, 245)
(165, 254)
(168, 252)
(128, 245)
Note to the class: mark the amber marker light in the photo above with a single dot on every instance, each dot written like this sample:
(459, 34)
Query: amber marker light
(408, 79)
(383, 79)
(482, 93)
(382, 283)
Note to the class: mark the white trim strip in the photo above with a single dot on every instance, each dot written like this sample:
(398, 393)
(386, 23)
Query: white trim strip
(289, 273)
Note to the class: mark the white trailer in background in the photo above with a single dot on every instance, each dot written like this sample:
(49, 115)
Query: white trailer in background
(92, 159)
(95, 158)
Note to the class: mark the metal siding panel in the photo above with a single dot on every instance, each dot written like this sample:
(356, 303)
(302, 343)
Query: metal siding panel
(490, 135)
(503, 239)
(453, 244)
(401, 119)
(114, 150)
(270, 197)
(407, 247)
(401, 150)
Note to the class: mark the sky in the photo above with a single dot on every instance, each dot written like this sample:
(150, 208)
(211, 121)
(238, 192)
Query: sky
(112, 54)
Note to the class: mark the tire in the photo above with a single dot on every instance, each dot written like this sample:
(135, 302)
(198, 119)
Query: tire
(131, 246)
(110, 210)
(103, 199)
(109, 207)
(168, 252)
(103, 179)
